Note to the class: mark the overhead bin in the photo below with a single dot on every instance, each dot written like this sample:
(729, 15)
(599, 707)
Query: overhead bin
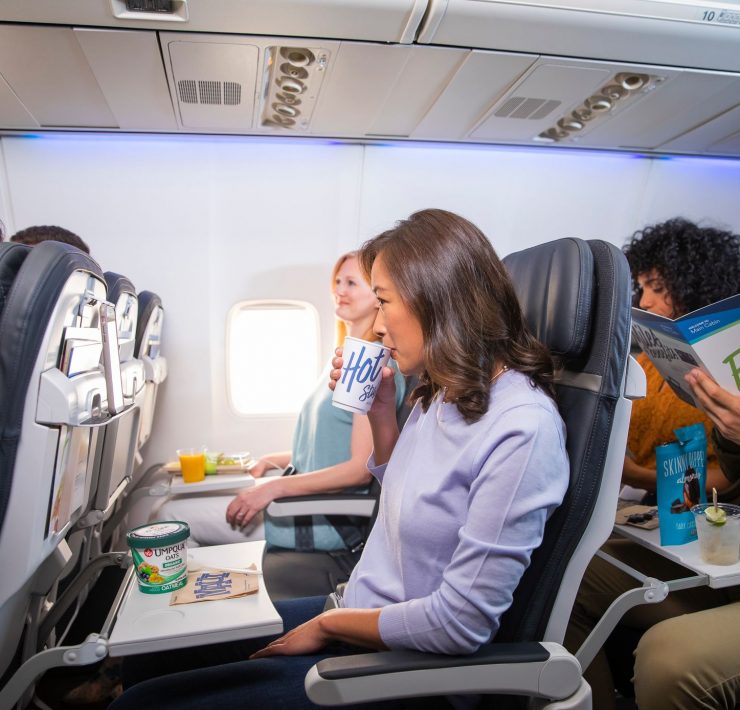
(47, 71)
(58, 77)
(682, 33)
(92, 78)
(371, 20)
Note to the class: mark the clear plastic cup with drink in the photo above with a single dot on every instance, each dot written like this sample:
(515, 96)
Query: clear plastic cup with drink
(192, 464)
(362, 371)
(718, 529)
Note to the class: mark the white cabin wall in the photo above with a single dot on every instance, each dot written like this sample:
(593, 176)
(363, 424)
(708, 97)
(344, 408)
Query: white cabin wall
(208, 221)
(523, 196)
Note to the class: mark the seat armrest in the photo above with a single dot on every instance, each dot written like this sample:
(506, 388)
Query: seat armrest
(347, 504)
(635, 382)
(544, 670)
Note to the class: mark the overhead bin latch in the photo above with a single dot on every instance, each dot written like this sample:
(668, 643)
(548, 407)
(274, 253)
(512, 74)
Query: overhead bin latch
(152, 10)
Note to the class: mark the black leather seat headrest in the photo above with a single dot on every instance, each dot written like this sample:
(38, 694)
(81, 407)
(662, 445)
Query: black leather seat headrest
(117, 284)
(554, 283)
(148, 304)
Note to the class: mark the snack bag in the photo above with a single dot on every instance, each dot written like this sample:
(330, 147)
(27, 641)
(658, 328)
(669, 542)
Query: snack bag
(681, 468)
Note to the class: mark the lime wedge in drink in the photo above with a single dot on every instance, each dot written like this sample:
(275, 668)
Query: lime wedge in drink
(715, 515)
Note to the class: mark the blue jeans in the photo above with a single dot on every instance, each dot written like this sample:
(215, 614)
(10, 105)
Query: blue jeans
(221, 676)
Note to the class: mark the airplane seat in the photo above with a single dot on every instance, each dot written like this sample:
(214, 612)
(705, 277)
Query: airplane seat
(54, 407)
(116, 450)
(116, 454)
(575, 295)
(147, 349)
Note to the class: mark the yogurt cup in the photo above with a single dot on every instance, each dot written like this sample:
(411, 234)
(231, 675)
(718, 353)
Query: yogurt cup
(160, 554)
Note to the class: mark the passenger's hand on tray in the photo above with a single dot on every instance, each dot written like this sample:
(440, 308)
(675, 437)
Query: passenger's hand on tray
(258, 470)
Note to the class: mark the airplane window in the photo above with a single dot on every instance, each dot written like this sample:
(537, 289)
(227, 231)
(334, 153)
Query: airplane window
(272, 351)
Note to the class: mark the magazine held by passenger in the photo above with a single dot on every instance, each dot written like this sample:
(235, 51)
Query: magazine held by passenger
(707, 338)
(681, 468)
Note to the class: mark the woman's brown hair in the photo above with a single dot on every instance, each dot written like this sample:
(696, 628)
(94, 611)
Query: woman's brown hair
(448, 274)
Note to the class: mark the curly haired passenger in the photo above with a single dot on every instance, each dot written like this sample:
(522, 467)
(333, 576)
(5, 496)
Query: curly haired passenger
(676, 268)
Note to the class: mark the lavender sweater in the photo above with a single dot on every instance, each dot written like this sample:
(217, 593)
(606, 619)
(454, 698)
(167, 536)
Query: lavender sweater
(461, 509)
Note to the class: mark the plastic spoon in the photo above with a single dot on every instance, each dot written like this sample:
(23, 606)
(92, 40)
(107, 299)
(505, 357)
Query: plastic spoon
(195, 566)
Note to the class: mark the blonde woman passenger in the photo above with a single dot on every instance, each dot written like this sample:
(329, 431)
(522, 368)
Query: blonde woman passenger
(330, 450)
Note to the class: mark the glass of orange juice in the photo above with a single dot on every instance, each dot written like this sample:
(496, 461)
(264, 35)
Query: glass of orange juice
(192, 464)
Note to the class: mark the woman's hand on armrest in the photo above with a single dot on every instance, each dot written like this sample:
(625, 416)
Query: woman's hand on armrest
(354, 626)
(250, 501)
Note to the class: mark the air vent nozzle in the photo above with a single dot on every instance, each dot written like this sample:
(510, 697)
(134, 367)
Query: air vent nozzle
(292, 80)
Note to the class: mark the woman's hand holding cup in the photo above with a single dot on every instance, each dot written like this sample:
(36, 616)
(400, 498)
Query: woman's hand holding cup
(384, 398)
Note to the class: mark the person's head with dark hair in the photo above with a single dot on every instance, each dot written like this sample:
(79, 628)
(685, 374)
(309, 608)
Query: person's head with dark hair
(37, 234)
(678, 266)
(448, 310)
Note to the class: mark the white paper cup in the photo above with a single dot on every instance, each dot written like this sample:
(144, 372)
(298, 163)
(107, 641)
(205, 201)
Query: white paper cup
(361, 374)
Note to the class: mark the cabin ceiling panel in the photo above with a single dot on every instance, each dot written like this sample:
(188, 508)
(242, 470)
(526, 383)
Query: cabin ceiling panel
(717, 137)
(13, 114)
(213, 84)
(535, 102)
(657, 32)
(477, 84)
(676, 106)
(372, 20)
(425, 75)
(362, 79)
(129, 70)
(48, 72)
(727, 146)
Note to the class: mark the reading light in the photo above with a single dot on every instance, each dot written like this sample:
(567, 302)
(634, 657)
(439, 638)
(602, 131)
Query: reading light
(284, 110)
(632, 82)
(614, 92)
(583, 114)
(599, 104)
(291, 86)
(570, 124)
(297, 56)
(288, 99)
(294, 71)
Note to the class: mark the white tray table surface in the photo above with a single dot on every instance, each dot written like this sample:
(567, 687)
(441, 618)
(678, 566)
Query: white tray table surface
(686, 555)
(147, 623)
(212, 483)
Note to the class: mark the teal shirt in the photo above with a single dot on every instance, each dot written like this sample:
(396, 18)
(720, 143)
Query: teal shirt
(322, 438)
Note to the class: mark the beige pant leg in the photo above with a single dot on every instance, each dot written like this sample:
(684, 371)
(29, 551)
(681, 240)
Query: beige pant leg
(690, 661)
(603, 583)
